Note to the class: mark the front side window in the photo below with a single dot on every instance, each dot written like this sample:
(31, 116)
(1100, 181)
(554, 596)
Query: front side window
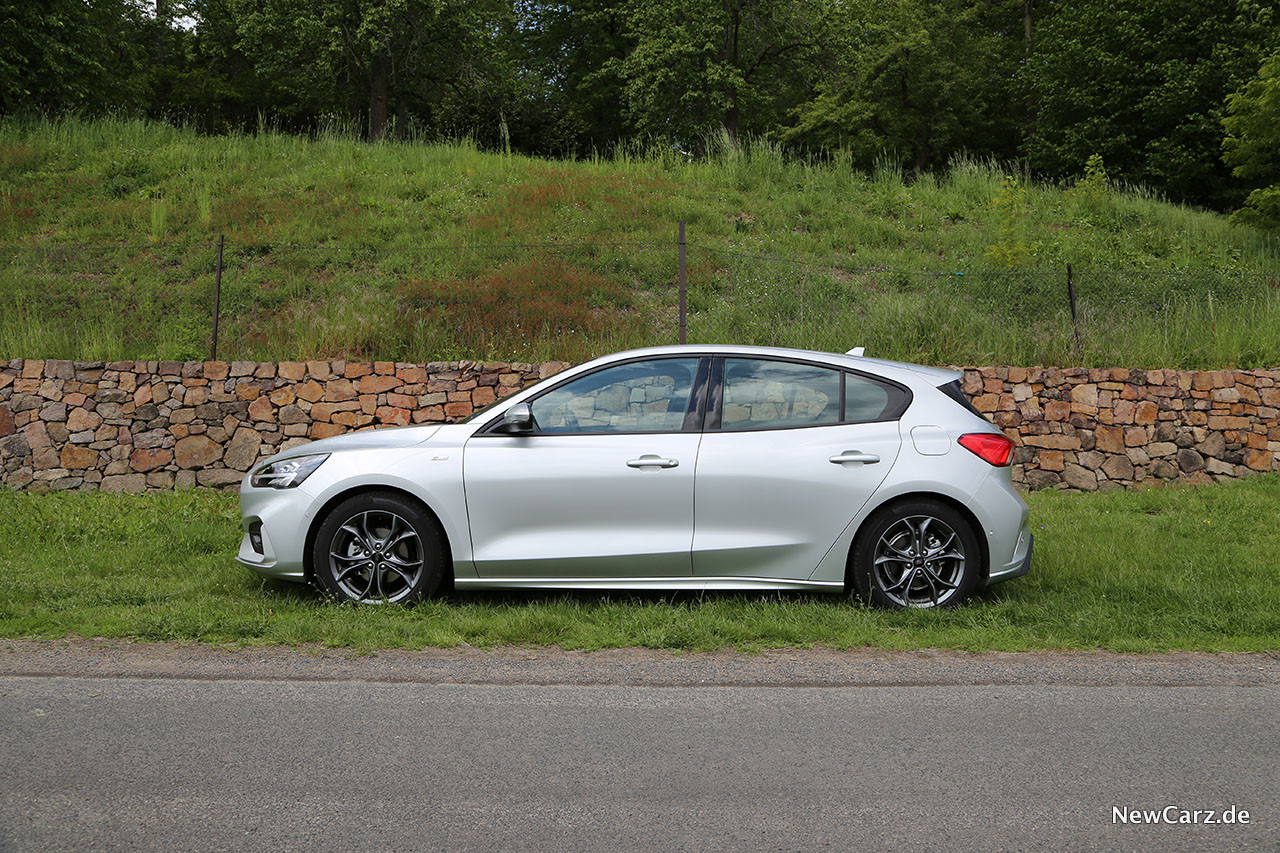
(641, 396)
(778, 394)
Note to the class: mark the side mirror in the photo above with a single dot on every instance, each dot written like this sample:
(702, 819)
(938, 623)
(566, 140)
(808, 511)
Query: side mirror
(517, 420)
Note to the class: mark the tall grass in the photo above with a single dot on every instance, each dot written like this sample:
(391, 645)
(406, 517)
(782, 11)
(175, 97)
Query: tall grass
(329, 252)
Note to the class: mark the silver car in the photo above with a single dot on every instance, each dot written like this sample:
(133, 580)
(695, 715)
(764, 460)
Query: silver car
(689, 467)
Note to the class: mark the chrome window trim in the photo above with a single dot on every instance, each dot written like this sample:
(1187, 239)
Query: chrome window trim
(710, 397)
(894, 413)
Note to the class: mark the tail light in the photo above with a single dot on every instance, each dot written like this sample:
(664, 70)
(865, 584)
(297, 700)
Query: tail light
(990, 447)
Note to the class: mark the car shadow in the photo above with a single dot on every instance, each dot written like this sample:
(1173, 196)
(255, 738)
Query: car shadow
(683, 598)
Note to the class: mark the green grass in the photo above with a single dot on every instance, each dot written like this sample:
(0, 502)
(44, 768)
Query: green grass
(960, 267)
(1156, 569)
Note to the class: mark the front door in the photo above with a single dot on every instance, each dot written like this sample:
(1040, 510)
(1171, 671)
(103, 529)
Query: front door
(603, 487)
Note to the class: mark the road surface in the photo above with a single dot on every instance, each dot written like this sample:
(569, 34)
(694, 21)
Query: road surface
(117, 747)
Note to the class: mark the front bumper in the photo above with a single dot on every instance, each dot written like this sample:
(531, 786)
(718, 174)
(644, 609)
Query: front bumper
(284, 516)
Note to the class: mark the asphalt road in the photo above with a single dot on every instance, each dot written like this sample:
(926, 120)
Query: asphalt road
(130, 749)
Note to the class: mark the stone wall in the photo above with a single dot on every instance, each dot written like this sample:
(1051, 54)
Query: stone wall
(1100, 428)
(132, 426)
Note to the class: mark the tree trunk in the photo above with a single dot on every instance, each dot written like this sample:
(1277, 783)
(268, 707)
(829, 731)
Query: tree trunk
(922, 146)
(731, 121)
(1031, 101)
(729, 53)
(378, 98)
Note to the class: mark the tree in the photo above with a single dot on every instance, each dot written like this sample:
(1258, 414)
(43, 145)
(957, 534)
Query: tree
(366, 57)
(568, 86)
(1253, 143)
(1143, 83)
(922, 79)
(72, 55)
(706, 63)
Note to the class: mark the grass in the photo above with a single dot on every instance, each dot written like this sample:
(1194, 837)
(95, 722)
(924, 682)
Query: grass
(1172, 568)
(327, 255)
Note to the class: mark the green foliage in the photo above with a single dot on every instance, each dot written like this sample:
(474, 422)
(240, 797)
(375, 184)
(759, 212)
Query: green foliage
(1253, 143)
(1092, 197)
(891, 260)
(204, 204)
(1095, 186)
(387, 54)
(159, 568)
(1010, 249)
(708, 63)
(920, 80)
(71, 54)
(1143, 84)
(570, 103)
(159, 219)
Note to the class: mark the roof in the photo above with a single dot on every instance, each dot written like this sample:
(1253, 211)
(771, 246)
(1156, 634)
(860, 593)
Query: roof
(934, 375)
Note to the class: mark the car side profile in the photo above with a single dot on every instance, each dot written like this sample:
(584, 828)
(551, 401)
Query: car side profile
(685, 467)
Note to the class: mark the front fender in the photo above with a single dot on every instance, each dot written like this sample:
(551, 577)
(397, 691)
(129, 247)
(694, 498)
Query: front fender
(431, 474)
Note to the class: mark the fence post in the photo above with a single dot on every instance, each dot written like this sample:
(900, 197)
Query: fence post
(1071, 297)
(217, 302)
(684, 288)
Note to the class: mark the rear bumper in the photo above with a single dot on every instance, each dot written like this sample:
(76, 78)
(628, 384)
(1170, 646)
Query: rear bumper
(1018, 570)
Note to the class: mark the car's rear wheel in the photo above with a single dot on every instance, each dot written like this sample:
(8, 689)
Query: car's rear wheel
(378, 548)
(918, 553)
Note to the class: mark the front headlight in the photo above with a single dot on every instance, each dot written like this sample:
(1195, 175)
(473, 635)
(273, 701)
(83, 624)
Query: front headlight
(286, 473)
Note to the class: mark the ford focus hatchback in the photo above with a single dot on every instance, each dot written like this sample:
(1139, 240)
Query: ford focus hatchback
(690, 467)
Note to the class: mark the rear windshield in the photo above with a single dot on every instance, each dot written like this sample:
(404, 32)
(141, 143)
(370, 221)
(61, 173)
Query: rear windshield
(952, 390)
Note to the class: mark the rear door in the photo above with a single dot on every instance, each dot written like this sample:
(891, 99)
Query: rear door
(791, 452)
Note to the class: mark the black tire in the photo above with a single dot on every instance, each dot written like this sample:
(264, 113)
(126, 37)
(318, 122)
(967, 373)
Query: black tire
(907, 577)
(388, 550)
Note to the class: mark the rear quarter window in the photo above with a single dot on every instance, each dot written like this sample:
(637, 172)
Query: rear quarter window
(952, 390)
(867, 400)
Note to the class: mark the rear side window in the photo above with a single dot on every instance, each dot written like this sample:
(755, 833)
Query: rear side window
(778, 394)
(952, 390)
(760, 394)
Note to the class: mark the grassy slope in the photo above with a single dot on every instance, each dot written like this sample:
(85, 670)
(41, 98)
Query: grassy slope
(1155, 569)
(159, 190)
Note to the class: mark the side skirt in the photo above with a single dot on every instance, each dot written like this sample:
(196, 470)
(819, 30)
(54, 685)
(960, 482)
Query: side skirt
(680, 583)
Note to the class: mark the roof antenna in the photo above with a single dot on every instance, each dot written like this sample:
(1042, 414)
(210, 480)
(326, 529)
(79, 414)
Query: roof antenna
(857, 352)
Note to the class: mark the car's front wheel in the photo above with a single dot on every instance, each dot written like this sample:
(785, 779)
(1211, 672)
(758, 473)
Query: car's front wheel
(918, 553)
(378, 548)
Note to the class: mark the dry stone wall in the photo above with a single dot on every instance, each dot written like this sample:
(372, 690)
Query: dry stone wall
(135, 426)
(1098, 429)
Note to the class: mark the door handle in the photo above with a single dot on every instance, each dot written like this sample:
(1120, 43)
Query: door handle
(855, 456)
(651, 460)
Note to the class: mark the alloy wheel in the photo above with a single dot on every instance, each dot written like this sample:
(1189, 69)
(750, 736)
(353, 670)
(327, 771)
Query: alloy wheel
(919, 561)
(376, 557)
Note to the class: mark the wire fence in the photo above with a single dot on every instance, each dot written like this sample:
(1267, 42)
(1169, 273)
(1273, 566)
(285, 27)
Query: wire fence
(569, 301)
